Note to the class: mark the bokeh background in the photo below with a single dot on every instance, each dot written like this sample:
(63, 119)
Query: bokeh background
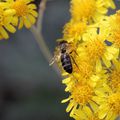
(29, 88)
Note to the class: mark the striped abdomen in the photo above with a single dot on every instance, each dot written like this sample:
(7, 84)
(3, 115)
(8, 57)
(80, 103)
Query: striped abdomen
(66, 62)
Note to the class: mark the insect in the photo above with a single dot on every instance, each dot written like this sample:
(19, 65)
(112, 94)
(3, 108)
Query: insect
(63, 53)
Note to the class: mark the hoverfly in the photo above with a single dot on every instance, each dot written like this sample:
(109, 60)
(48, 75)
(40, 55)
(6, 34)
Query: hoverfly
(63, 53)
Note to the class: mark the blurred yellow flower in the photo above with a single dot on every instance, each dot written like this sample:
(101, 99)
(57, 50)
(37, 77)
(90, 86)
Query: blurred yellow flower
(92, 10)
(6, 17)
(109, 103)
(25, 12)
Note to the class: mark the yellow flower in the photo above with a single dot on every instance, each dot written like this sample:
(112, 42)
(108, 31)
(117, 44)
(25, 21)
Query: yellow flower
(80, 98)
(73, 31)
(81, 85)
(109, 103)
(96, 49)
(6, 17)
(84, 73)
(25, 12)
(92, 10)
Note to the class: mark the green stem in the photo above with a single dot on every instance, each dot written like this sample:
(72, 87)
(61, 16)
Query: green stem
(43, 47)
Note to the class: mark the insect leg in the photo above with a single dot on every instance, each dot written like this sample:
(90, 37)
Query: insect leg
(75, 63)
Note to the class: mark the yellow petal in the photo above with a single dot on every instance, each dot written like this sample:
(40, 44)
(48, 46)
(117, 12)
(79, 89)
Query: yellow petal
(112, 50)
(15, 21)
(102, 10)
(98, 66)
(66, 80)
(109, 115)
(81, 115)
(4, 33)
(32, 19)
(70, 106)
(98, 100)
(106, 62)
(87, 111)
(34, 13)
(103, 111)
(10, 28)
(21, 23)
(65, 100)
(26, 22)
(9, 12)
(73, 110)
(32, 6)
(99, 93)
(108, 56)
(94, 106)
(114, 116)
(107, 88)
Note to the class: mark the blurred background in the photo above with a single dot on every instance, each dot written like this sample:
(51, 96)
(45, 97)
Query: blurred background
(29, 88)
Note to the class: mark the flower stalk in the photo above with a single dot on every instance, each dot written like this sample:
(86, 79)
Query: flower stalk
(37, 32)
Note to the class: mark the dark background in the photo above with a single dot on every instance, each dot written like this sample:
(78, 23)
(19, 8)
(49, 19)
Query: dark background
(29, 88)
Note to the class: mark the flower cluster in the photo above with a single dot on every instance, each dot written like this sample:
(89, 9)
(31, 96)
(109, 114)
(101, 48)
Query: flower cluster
(16, 13)
(94, 84)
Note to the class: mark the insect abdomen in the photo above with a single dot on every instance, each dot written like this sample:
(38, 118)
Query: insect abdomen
(66, 62)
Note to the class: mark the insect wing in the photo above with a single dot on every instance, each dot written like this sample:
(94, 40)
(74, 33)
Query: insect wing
(56, 57)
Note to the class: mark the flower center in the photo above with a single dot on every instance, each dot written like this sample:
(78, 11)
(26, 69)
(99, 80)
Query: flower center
(83, 9)
(114, 103)
(86, 70)
(115, 79)
(20, 7)
(82, 93)
(95, 49)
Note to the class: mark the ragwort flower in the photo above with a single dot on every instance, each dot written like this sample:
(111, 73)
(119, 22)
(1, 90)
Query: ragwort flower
(73, 31)
(109, 103)
(25, 12)
(6, 17)
(80, 98)
(96, 49)
(92, 10)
